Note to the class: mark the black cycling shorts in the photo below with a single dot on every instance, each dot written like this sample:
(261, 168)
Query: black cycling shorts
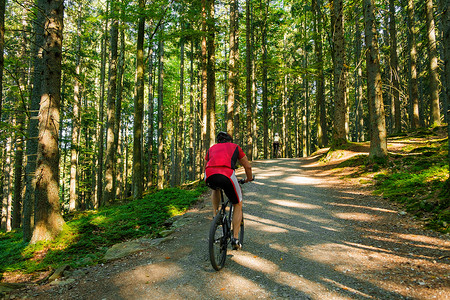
(230, 186)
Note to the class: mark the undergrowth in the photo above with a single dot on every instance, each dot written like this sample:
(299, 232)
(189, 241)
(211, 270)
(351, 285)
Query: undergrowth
(88, 235)
(416, 177)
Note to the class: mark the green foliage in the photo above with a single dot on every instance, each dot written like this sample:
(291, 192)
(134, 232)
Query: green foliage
(416, 177)
(88, 235)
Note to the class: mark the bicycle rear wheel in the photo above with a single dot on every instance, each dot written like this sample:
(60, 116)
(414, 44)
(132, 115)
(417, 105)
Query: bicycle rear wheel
(217, 243)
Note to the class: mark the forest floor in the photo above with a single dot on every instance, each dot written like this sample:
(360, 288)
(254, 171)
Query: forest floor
(311, 232)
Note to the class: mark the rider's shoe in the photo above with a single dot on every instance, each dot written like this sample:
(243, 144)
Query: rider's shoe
(235, 244)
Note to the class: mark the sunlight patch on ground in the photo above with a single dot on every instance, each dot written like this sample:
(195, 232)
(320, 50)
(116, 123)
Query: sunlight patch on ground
(362, 217)
(279, 247)
(295, 204)
(283, 211)
(426, 239)
(363, 207)
(262, 224)
(300, 180)
(272, 271)
(347, 288)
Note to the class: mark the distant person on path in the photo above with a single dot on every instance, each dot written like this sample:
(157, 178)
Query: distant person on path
(221, 161)
(276, 145)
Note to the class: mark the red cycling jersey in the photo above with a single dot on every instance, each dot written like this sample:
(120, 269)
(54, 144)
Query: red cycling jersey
(222, 158)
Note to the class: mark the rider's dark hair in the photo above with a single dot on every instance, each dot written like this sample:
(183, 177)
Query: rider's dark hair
(223, 137)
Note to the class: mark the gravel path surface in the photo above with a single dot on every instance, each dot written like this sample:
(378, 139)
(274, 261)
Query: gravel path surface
(308, 235)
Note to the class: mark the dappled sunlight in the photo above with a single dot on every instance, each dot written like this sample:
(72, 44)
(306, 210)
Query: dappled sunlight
(295, 204)
(274, 273)
(362, 217)
(300, 180)
(268, 225)
(284, 211)
(347, 288)
(428, 239)
(363, 207)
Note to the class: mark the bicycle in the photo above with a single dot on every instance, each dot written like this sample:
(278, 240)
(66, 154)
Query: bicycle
(220, 232)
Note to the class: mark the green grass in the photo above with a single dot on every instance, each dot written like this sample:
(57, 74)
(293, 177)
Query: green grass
(88, 235)
(417, 178)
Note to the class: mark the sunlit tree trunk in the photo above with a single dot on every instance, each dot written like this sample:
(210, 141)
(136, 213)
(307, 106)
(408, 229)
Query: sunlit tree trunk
(160, 179)
(99, 195)
(2, 46)
(232, 67)
(7, 187)
(110, 159)
(321, 122)
(340, 76)
(73, 195)
(433, 65)
(192, 117)
(248, 81)
(48, 220)
(179, 141)
(138, 184)
(151, 128)
(204, 82)
(264, 82)
(117, 140)
(211, 74)
(378, 143)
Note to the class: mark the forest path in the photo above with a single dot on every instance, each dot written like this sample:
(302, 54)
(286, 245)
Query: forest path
(308, 235)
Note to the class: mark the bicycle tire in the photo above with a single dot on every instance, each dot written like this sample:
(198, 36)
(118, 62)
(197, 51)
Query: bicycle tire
(217, 243)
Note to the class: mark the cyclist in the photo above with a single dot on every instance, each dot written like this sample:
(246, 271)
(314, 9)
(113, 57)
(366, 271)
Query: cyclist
(221, 161)
(276, 144)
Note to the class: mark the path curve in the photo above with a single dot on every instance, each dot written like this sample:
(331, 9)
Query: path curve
(307, 236)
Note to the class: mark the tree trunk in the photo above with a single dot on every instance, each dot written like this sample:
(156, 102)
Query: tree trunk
(99, 195)
(32, 130)
(178, 156)
(264, 82)
(110, 159)
(232, 66)
(248, 81)
(7, 187)
(48, 220)
(340, 76)
(204, 83)
(433, 65)
(150, 118)
(120, 75)
(19, 137)
(161, 112)
(359, 112)
(378, 144)
(211, 73)
(394, 68)
(413, 85)
(139, 108)
(2, 46)
(321, 122)
(192, 117)
(73, 196)
(446, 38)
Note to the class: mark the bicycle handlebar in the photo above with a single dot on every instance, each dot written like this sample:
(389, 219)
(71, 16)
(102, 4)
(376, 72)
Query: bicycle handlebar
(242, 181)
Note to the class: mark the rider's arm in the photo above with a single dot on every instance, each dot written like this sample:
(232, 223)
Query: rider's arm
(248, 168)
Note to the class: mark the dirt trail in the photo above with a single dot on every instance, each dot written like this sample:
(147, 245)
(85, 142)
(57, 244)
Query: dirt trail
(308, 235)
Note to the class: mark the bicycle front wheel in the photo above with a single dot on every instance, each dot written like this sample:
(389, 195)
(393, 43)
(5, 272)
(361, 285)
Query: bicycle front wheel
(217, 243)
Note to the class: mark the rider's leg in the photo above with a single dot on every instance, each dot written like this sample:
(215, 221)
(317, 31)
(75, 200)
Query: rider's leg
(215, 198)
(237, 218)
